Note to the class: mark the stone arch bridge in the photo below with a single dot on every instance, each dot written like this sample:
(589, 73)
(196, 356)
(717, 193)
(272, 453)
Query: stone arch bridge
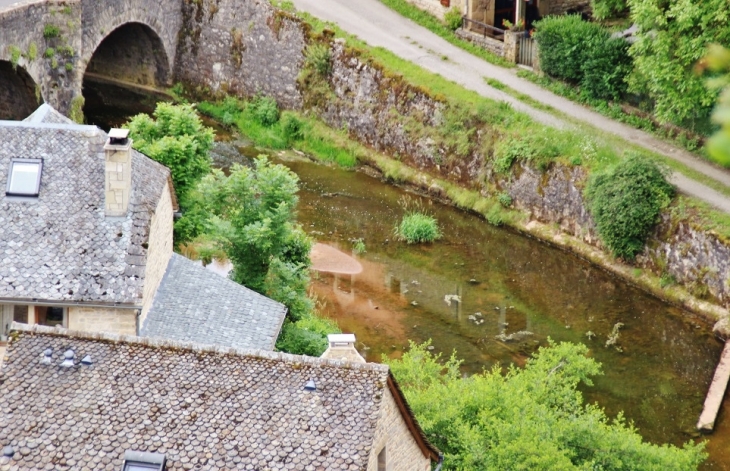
(49, 48)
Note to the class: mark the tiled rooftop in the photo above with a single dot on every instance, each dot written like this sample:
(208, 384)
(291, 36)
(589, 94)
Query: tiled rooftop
(195, 304)
(60, 246)
(204, 407)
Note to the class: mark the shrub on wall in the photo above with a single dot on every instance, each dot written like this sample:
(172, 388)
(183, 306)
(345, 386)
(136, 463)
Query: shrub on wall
(625, 203)
(584, 54)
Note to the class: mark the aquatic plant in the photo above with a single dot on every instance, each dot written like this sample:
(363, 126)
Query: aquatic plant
(417, 228)
(358, 246)
(614, 335)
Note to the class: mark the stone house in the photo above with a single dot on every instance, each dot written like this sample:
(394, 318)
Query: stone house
(494, 12)
(108, 402)
(86, 228)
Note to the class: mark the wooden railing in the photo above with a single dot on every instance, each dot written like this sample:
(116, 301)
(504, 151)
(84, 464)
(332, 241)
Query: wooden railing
(482, 28)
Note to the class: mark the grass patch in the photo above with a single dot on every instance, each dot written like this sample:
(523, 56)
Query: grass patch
(417, 228)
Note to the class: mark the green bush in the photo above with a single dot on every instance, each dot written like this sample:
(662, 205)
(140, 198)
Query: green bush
(584, 54)
(626, 201)
(307, 336)
(318, 58)
(292, 128)
(505, 199)
(562, 44)
(605, 69)
(264, 110)
(417, 227)
(508, 151)
(452, 18)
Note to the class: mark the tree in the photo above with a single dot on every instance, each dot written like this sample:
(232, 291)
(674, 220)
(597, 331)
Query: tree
(252, 220)
(718, 61)
(176, 138)
(531, 418)
(673, 35)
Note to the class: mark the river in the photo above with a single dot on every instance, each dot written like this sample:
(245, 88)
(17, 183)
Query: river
(494, 296)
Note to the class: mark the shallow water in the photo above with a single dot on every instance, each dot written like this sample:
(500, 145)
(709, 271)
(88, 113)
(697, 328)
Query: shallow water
(657, 373)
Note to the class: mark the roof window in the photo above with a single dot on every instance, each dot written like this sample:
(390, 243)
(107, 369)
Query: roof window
(143, 461)
(24, 178)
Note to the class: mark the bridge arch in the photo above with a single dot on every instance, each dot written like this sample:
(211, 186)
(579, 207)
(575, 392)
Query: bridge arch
(133, 53)
(19, 93)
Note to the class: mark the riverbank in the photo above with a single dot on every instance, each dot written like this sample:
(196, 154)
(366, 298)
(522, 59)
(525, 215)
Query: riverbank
(330, 146)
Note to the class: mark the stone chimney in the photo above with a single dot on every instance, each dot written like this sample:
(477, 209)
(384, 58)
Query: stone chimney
(117, 173)
(342, 347)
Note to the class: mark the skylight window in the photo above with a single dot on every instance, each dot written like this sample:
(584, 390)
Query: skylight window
(24, 177)
(143, 461)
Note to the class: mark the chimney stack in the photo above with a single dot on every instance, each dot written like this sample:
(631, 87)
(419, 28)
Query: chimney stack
(118, 173)
(342, 347)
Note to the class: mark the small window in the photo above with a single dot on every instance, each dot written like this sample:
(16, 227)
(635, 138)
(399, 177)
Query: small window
(51, 316)
(382, 465)
(24, 178)
(20, 314)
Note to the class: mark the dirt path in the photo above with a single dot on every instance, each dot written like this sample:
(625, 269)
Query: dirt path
(378, 25)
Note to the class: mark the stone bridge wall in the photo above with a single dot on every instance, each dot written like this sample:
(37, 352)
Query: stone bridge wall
(242, 47)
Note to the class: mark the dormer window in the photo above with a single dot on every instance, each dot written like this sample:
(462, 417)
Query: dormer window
(24, 177)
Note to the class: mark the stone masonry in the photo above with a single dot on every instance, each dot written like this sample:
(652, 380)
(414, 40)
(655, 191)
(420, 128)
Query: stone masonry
(241, 47)
(159, 250)
(103, 319)
(117, 179)
(401, 449)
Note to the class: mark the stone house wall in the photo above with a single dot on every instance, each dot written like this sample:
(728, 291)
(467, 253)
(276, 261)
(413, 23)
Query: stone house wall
(159, 249)
(100, 319)
(402, 451)
(492, 45)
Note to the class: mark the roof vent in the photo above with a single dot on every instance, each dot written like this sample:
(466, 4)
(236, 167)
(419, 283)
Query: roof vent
(118, 137)
(8, 451)
(86, 361)
(46, 360)
(68, 359)
(311, 386)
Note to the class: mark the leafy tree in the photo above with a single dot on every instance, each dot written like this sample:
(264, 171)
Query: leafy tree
(604, 9)
(625, 203)
(529, 419)
(718, 60)
(175, 137)
(673, 36)
(252, 220)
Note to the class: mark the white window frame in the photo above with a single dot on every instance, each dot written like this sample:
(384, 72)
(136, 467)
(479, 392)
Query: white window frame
(39, 162)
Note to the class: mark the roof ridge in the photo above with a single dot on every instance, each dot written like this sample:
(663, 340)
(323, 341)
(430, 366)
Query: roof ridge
(154, 342)
(87, 128)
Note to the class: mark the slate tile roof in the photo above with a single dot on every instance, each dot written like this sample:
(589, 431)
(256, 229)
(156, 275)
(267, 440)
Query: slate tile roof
(206, 408)
(60, 246)
(195, 304)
